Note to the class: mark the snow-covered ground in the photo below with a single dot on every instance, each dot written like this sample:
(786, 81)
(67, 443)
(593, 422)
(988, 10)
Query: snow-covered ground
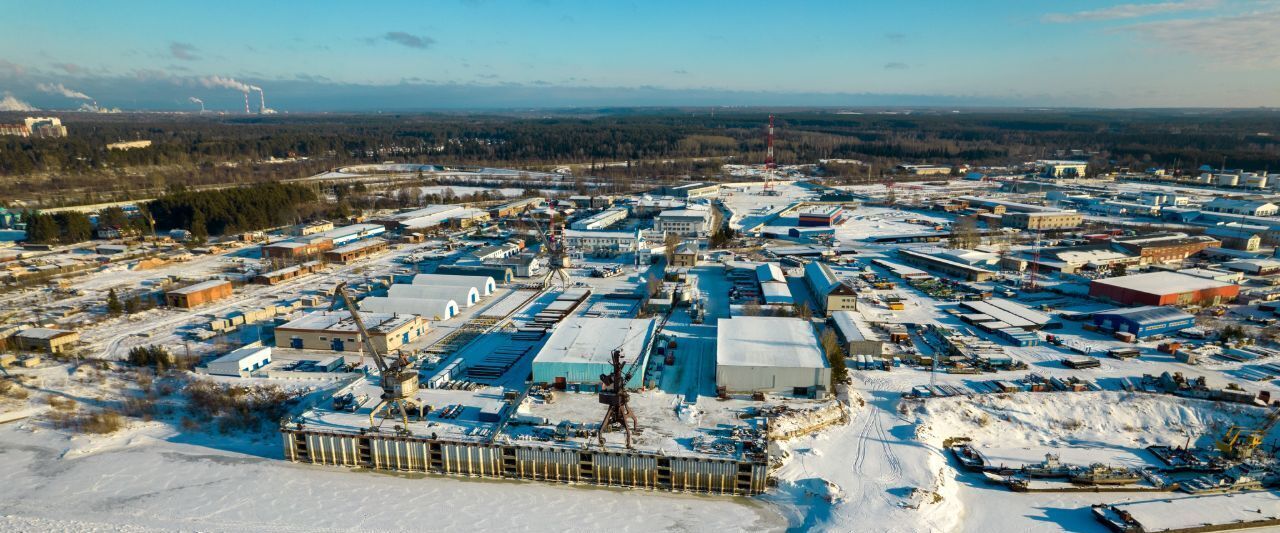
(884, 470)
(892, 474)
(153, 479)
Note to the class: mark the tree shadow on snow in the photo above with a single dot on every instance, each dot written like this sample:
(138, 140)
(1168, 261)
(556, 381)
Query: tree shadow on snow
(1069, 519)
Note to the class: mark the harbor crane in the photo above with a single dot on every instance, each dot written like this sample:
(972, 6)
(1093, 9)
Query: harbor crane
(1241, 442)
(613, 392)
(557, 257)
(399, 382)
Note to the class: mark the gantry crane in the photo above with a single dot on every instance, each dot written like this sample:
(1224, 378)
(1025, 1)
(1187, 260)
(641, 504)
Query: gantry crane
(1241, 442)
(399, 382)
(613, 392)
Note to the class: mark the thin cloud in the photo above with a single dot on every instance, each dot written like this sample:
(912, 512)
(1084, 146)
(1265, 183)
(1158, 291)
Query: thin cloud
(896, 65)
(10, 68)
(183, 51)
(420, 42)
(1131, 11)
(69, 68)
(680, 71)
(895, 36)
(1247, 39)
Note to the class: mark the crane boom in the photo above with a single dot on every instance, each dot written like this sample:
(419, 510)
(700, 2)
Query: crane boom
(398, 382)
(340, 294)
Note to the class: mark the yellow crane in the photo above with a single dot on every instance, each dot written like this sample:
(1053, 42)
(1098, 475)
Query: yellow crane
(1240, 442)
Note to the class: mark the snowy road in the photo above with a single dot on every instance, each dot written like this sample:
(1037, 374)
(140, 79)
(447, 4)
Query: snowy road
(887, 477)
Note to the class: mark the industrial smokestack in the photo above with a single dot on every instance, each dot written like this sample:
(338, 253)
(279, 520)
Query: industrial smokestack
(246, 102)
(262, 102)
(195, 100)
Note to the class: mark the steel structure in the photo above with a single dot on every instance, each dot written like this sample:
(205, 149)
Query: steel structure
(399, 382)
(1033, 270)
(557, 257)
(770, 165)
(613, 392)
(769, 162)
(1240, 442)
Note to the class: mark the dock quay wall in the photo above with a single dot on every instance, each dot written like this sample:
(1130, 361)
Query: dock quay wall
(526, 461)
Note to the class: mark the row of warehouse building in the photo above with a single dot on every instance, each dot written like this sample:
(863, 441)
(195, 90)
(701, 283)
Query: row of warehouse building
(753, 354)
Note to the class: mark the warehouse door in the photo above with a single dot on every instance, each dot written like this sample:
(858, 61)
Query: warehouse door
(336, 344)
(295, 342)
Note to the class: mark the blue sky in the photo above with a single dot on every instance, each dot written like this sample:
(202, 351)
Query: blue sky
(531, 53)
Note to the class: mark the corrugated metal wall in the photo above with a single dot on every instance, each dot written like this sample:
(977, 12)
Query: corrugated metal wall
(540, 463)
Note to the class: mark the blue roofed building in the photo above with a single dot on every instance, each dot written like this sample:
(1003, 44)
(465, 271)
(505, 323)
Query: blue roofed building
(1146, 321)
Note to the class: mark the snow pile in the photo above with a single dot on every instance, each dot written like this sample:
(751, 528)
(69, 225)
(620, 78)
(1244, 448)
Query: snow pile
(820, 488)
(792, 422)
(1116, 419)
(1108, 427)
(688, 413)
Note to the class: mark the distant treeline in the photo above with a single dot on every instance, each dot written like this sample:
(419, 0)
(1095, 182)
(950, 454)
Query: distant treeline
(192, 150)
(223, 211)
(70, 227)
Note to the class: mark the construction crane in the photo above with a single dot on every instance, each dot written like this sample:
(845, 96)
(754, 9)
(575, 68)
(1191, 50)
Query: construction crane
(1241, 442)
(613, 392)
(399, 382)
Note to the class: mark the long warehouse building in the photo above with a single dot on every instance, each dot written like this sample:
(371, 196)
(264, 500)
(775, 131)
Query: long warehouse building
(779, 354)
(1163, 288)
(464, 296)
(484, 284)
(426, 308)
(579, 351)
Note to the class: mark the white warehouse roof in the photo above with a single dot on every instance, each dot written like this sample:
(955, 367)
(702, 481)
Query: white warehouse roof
(760, 341)
(1162, 283)
(465, 296)
(592, 340)
(431, 309)
(484, 284)
(245, 358)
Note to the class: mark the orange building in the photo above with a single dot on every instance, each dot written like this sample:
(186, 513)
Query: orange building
(198, 294)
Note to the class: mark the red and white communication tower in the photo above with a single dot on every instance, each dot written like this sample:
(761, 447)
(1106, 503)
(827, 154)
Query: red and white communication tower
(770, 166)
(769, 163)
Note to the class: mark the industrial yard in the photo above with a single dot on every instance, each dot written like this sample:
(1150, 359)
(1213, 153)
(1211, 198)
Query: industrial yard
(841, 354)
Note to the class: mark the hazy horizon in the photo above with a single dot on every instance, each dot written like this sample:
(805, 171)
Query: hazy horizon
(478, 54)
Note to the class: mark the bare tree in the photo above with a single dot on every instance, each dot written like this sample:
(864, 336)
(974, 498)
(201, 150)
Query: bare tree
(964, 233)
(835, 356)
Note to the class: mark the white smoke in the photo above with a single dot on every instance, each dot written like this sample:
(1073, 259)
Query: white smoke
(195, 100)
(58, 88)
(226, 83)
(11, 103)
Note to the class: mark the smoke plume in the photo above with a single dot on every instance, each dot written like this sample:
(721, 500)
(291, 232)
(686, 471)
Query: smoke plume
(58, 88)
(11, 103)
(226, 83)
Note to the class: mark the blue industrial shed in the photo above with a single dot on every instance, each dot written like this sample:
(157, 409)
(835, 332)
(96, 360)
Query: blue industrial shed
(1144, 321)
